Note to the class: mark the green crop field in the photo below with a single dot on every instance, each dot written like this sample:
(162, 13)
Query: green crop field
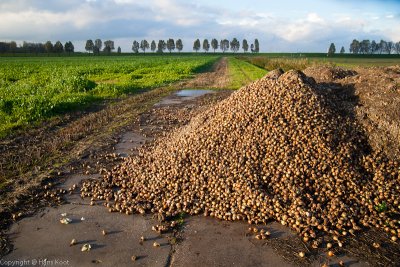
(35, 88)
(242, 72)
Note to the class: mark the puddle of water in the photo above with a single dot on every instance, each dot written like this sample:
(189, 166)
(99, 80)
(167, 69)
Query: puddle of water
(129, 141)
(183, 95)
(193, 93)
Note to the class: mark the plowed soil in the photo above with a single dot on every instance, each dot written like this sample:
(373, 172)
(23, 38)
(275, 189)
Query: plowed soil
(372, 95)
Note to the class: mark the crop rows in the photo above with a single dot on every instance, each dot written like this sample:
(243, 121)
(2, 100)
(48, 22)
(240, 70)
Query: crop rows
(32, 89)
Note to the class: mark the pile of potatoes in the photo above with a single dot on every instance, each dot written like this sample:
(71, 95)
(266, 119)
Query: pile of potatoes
(273, 150)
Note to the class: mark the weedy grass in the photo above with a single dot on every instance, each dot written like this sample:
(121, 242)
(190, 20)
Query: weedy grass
(302, 61)
(242, 73)
(36, 88)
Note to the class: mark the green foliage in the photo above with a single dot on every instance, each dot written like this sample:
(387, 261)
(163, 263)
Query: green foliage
(381, 207)
(242, 72)
(33, 89)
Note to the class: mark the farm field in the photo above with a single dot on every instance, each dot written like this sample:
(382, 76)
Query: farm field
(35, 88)
(156, 124)
(300, 61)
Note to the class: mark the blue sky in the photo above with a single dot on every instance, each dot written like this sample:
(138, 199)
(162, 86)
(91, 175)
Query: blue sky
(280, 26)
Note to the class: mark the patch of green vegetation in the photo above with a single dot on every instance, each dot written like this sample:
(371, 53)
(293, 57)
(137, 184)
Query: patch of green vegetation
(381, 207)
(36, 88)
(242, 73)
(300, 61)
(180, 219)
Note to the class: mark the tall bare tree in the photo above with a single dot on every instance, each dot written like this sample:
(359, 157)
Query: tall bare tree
(89, 45)
(98, 44)
(354, 47)
(108, 46)
(135, 47)
(179, 45)
(245, 45)
(196, 45)
(365, 47)
(374, 47)
(144, 45)
(170, 45)
(161, 46)
(224, 45)
(397, 47)
(389, 47)
(153, 46)
(382, 46)
(256, 46)
(206, 45)
(214, 44)
(235, 45)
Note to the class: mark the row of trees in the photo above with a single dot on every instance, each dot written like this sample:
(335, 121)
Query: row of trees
(96, 46)
(368, 47)
(373, 47)
(224, 45)
(108, 46)
(171, 45)
(48, 47)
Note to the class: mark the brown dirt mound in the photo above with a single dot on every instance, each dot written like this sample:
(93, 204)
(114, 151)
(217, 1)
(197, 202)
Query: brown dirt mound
(323, 74)
(373, 97)
(276, 149)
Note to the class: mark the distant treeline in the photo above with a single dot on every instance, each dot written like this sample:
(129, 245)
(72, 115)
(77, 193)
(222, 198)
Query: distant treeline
(373, 47)
(367, 47)
(98, 45)
(171, 45)
(35, 48)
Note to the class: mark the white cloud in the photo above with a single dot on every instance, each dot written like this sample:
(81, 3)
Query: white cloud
(126, 20)
(314, 18)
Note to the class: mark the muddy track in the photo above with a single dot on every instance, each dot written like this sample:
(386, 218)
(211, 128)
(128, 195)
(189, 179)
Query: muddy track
(216, 78)
(166, 115)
